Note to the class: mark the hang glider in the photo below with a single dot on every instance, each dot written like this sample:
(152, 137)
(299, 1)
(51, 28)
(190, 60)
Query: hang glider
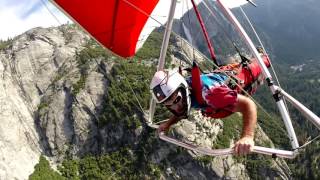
(119, 26)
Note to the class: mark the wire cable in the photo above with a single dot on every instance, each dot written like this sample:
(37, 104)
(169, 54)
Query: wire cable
(53, 15)
(260, 43)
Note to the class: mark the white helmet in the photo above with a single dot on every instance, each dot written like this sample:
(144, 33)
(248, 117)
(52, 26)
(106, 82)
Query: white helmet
(165, 83)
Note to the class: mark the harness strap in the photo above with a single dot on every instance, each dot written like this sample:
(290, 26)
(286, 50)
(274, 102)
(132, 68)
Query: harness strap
(196, 84)
(250, 87)
(232, 70)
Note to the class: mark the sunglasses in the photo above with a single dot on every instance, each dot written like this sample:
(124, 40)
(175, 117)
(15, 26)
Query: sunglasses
(173, 101)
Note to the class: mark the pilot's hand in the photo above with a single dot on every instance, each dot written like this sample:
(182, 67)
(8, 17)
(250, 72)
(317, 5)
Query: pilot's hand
(244, 145)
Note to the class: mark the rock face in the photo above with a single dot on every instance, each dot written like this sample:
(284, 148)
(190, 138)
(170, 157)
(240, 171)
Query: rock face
(50, 105)
(28, 67)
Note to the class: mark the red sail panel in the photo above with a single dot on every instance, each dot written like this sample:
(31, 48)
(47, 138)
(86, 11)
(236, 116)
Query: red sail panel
(116, 24)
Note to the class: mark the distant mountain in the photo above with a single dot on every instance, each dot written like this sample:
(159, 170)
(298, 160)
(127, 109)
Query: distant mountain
(292, 27)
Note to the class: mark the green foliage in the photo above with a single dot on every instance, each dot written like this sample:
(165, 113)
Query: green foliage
(269, 118)
(79, 85)
(205, 159)
(307, 164)
(42, 170)
(42, 105)
(92, 52)
(232, 127)
(67, 31)
(128, 84)
(258, 166)
(274, 127)
(61, 73)
(152, 47)
(304, 86)
(127, 81)
(116, 165)
(4, 44)
(70, 169)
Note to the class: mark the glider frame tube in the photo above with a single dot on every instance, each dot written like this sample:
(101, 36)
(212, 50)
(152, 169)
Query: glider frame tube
(313, 118)
(228, 151)
(163, 52)
(281, 106)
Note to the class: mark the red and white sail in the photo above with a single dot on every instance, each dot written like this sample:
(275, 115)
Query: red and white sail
(116, 24)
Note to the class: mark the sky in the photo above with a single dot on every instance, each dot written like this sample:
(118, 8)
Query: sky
(18, 16)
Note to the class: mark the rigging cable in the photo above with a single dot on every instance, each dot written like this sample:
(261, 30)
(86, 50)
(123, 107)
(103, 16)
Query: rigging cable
(180, 70)
(260, 42)
(233, 81)
(53, 15)
(135, 95)
(265, 52)
(193, 49)
(308, 142)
